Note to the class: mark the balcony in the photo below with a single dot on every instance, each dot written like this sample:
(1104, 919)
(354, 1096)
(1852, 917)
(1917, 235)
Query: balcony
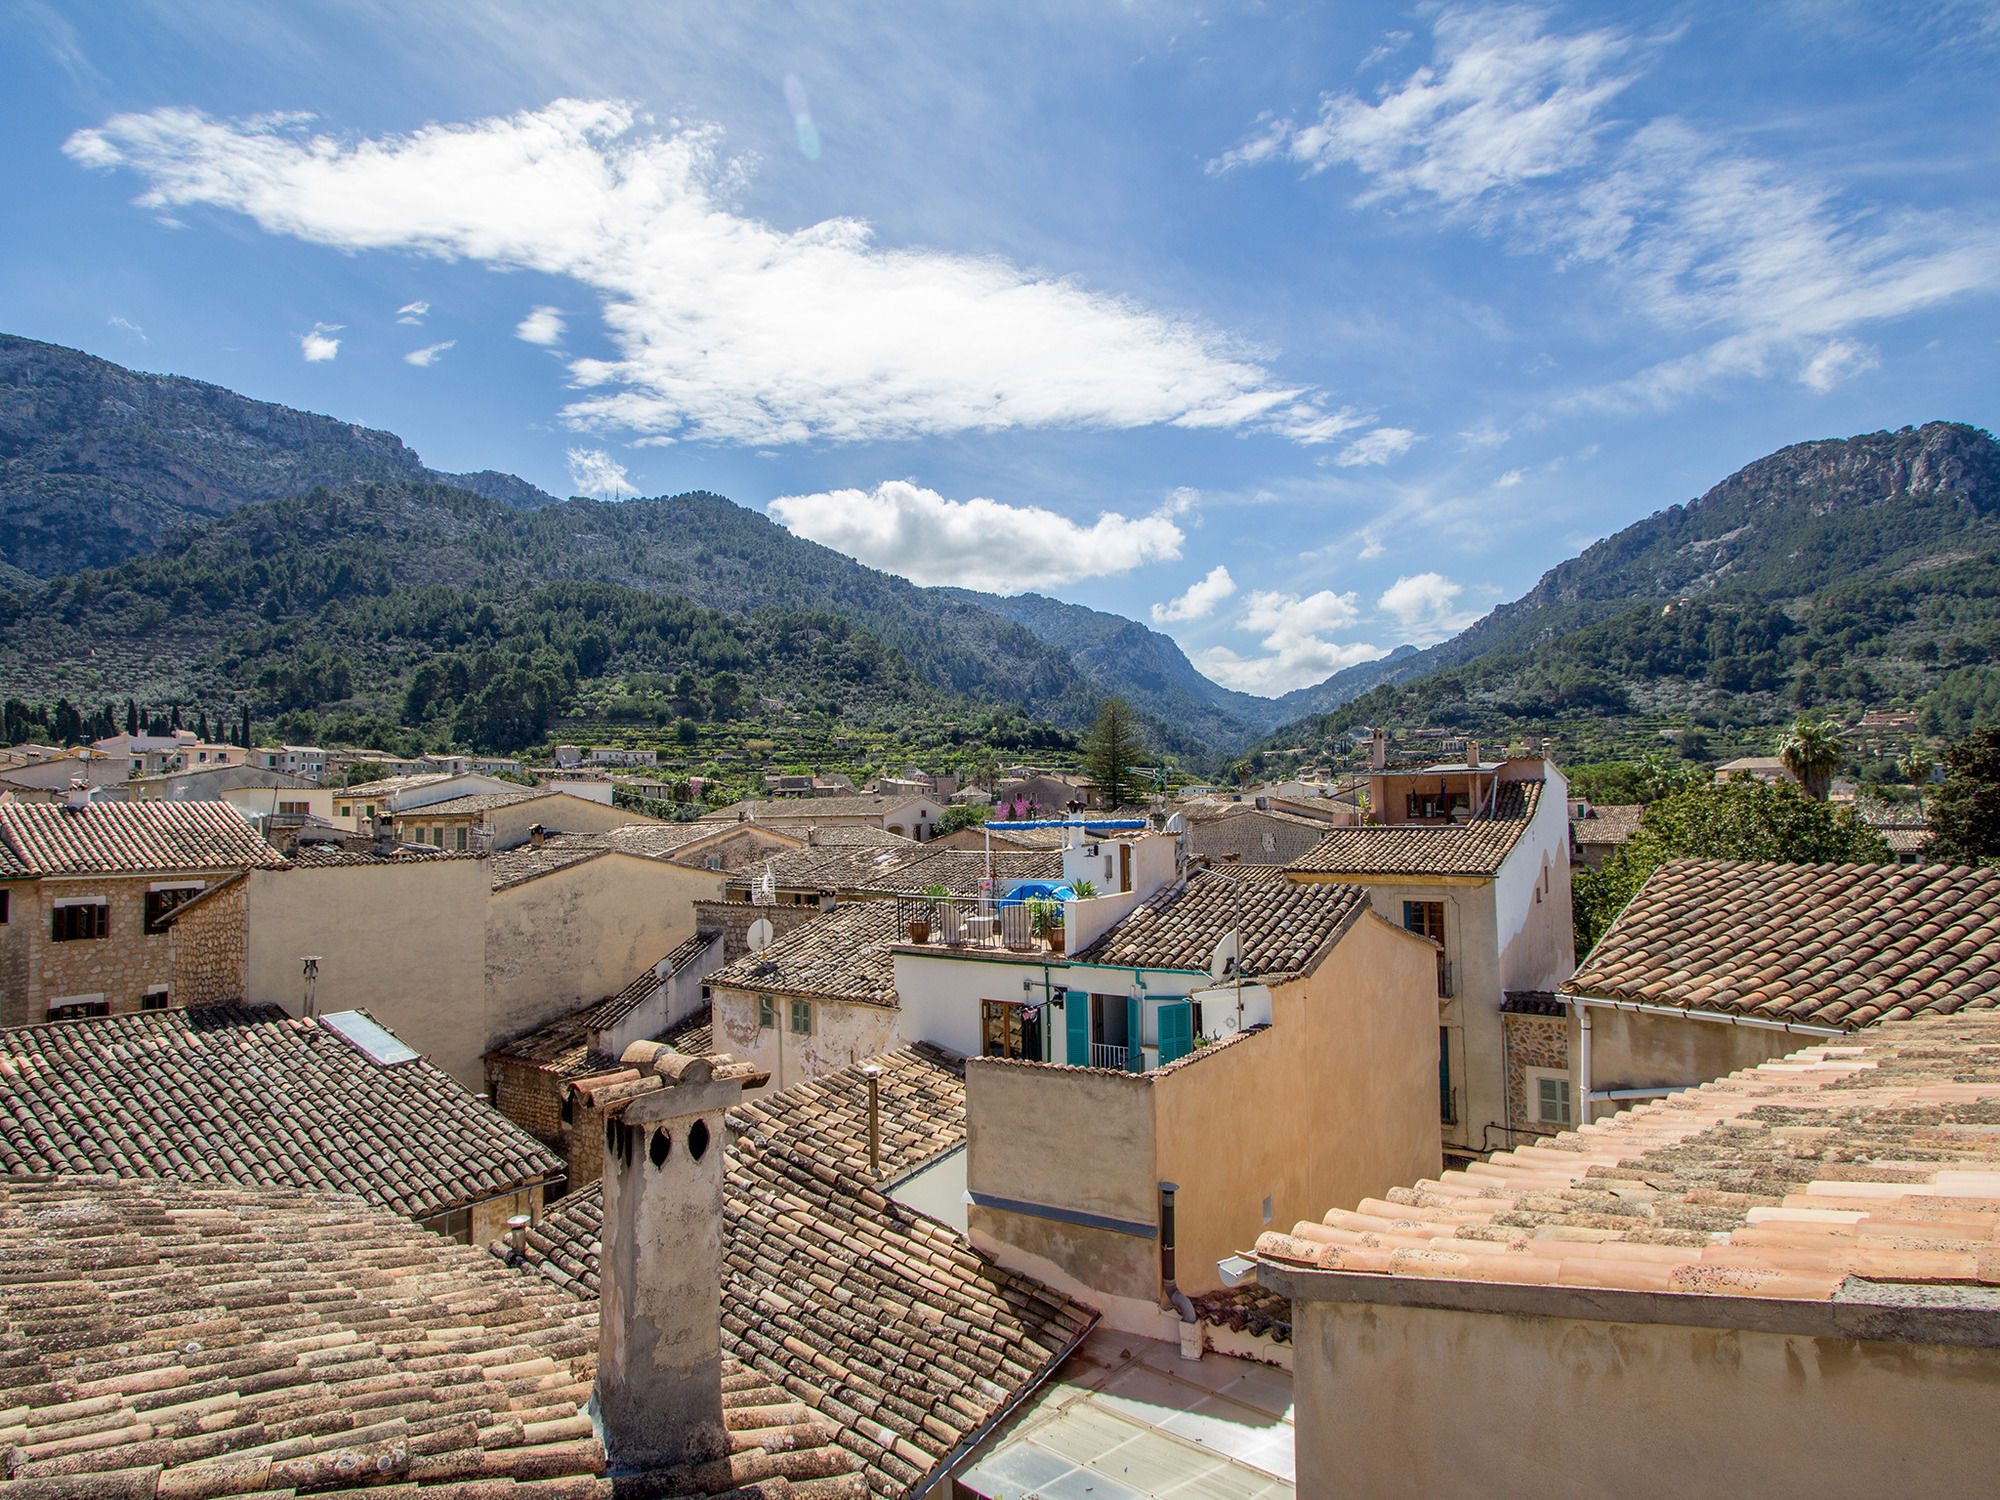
(970, 924)
(1103, 1055)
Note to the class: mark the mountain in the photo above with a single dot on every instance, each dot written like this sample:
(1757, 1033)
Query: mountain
(99, 463)
(1837, 574)
(1142, 666)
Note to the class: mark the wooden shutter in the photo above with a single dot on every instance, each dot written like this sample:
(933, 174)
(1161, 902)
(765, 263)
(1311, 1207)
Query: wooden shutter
(1176, 1030)
(1076, 1026)
(1135, 1055)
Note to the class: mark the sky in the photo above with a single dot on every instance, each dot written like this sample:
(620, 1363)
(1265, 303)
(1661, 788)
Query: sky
(1296, 331)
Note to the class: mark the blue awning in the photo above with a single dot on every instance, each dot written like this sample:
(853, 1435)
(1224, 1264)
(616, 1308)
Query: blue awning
(1117, 825)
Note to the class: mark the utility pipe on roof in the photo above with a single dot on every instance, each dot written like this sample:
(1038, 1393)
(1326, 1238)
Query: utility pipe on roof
(1687, 1013)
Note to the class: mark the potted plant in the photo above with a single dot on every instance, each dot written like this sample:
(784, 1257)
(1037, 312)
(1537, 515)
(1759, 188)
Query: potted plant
(1045, 920)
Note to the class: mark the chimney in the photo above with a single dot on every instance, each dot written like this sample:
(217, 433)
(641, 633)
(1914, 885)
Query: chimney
(1263, 804)
(1472, 753)
(385, 835)
(659, 1342)
(79, 794)
(537, 835)
(1378, 750)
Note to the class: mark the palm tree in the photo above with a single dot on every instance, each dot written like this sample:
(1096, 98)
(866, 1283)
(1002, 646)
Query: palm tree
(1811, 750)
(1917, 765)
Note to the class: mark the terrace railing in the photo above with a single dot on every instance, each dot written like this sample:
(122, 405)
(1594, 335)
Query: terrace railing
(962, 922)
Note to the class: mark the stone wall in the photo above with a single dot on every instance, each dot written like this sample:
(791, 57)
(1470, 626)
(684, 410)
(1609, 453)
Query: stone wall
(121, 966)
(208, 948)
(733, 919)
(529, 1096)
(1534, 1042)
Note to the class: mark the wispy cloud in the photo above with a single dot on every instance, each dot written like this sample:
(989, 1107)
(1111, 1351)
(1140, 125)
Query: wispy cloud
(918, 534)
(129, 326)
(1200, 599)
(544, 325)
(1509, 130)
(1377, 447)
(413, 313)
(428, 355)
(320, 345)
(1508, 480)
(727, 329)
(592, 471)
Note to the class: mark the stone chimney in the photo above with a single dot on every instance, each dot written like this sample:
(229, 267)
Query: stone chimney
(79, 794)
(1472, 753)
(385, 834)
(659, 1342)
(537, 835)
(1378, 749)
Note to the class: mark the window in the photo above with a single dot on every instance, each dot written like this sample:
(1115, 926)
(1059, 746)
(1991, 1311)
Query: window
(1549, 1098)
(1421, 805)
(161, 905)
(293, 809)
(1446, 1113)
(1426, 919)
(73, 924)
(1000, 1028)
(156, 998)
(6, 907)
(767, 1013)
(78, 1010)
(346, 810)
(802, 1018)
(462, 833)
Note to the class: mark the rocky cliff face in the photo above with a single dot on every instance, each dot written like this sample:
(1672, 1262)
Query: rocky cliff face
(98, 462)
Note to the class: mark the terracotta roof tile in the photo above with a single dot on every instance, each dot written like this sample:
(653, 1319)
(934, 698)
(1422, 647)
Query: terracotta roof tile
(1286, 925)
(615, 1008)
(1826, 945)
(201, 1339)
(843, 955)
(960, 871)
(563, 1046)
(1878, 1160)
(874, 1317)
(477, 802)
(1608, 825)
(48, 838)
(1478, 847)
(524, 862)
(329, 856)
(252, 1095)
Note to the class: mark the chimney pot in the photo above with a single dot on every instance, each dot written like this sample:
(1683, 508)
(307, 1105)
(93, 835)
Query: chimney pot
(1378, 750)
(537, 835)
(79, 794)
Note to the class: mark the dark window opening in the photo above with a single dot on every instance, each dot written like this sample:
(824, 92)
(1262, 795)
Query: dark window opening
(79, 1010)
(74, 924)
(162, 904)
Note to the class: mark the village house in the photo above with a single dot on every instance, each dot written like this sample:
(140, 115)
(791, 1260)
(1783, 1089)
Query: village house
(1043, 794)
(308, 761)
(1251, 833)
(501, 820)
(1770, 769)
(1717, 965)
(910, 815)
(49, 778)
(457, 953)
(357, 807)
(334, 1103)
(1784, 1276)
(87, 889)
(1475, 856)
(1597, 833)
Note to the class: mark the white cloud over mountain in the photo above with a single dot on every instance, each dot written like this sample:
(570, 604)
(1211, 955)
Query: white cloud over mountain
(918, 534)
(1296, 652)
(726, 328)
(592, 471)
(320, 345)
(1199, 602)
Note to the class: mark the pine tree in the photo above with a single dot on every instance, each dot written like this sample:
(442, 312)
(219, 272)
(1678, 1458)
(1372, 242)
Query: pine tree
(201, 727)
(131, 716)
(1111, 752)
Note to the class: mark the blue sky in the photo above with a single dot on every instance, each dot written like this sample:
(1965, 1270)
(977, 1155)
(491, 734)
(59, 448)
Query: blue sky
(1297, 330)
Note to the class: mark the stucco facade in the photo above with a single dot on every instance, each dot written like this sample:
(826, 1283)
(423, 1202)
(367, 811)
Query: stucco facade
(1569, 1406)
(841, 1032)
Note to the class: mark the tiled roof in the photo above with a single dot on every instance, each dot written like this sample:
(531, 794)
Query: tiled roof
(328, 856)
(839, 867)
(1608, 825)
(658, 840)
(1250, 1309)
(524, 862)
(1417, 849)
(1905, 838)
(880, 1320)
(200, 1340)
(960, 871)
(251, 1095)
(477, 802)
(841, 834)
(1878, 1161)
(1286, 925)
(811, 809)
(843, 955)
(48, 838)
(389, 786)
(1825, 945)
(562, 1047)
(615, 1008)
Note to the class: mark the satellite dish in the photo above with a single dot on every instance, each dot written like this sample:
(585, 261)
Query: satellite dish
(1177, 824)
(760, 934)
(1222, 962)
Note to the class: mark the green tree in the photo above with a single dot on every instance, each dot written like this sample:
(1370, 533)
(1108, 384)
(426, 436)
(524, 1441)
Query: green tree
(1965, 810)
(958, 815)
(1740, 819)
(1111, 751)
(1811, 750)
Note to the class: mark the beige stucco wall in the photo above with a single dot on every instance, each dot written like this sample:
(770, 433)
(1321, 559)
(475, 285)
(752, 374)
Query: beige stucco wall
(1632, 1050)
(1569, 1407)
(557, 814)
(1336, 1102)
(564, 941)
(844, 1032)
(1073, 1139)
(404, 942)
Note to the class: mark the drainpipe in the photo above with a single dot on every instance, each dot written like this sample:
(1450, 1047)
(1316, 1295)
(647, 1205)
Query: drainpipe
(1583, 1066)
(1174, 1296)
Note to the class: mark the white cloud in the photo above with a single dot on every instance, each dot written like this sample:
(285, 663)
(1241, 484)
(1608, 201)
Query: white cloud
(129, 326)
(413, 313)
(727, 329)
(319, 345)
(1419, 597)
(427, 355)
(1199, 602)
(918, 534)
(544, 325)
(592, 471)
(1508, 480)
(1377, 447)
(1296, 653)
(1485, 433)
(1508, 129)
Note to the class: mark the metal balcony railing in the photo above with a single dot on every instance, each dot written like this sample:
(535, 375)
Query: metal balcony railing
(968, 922)
(1103, 1055)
